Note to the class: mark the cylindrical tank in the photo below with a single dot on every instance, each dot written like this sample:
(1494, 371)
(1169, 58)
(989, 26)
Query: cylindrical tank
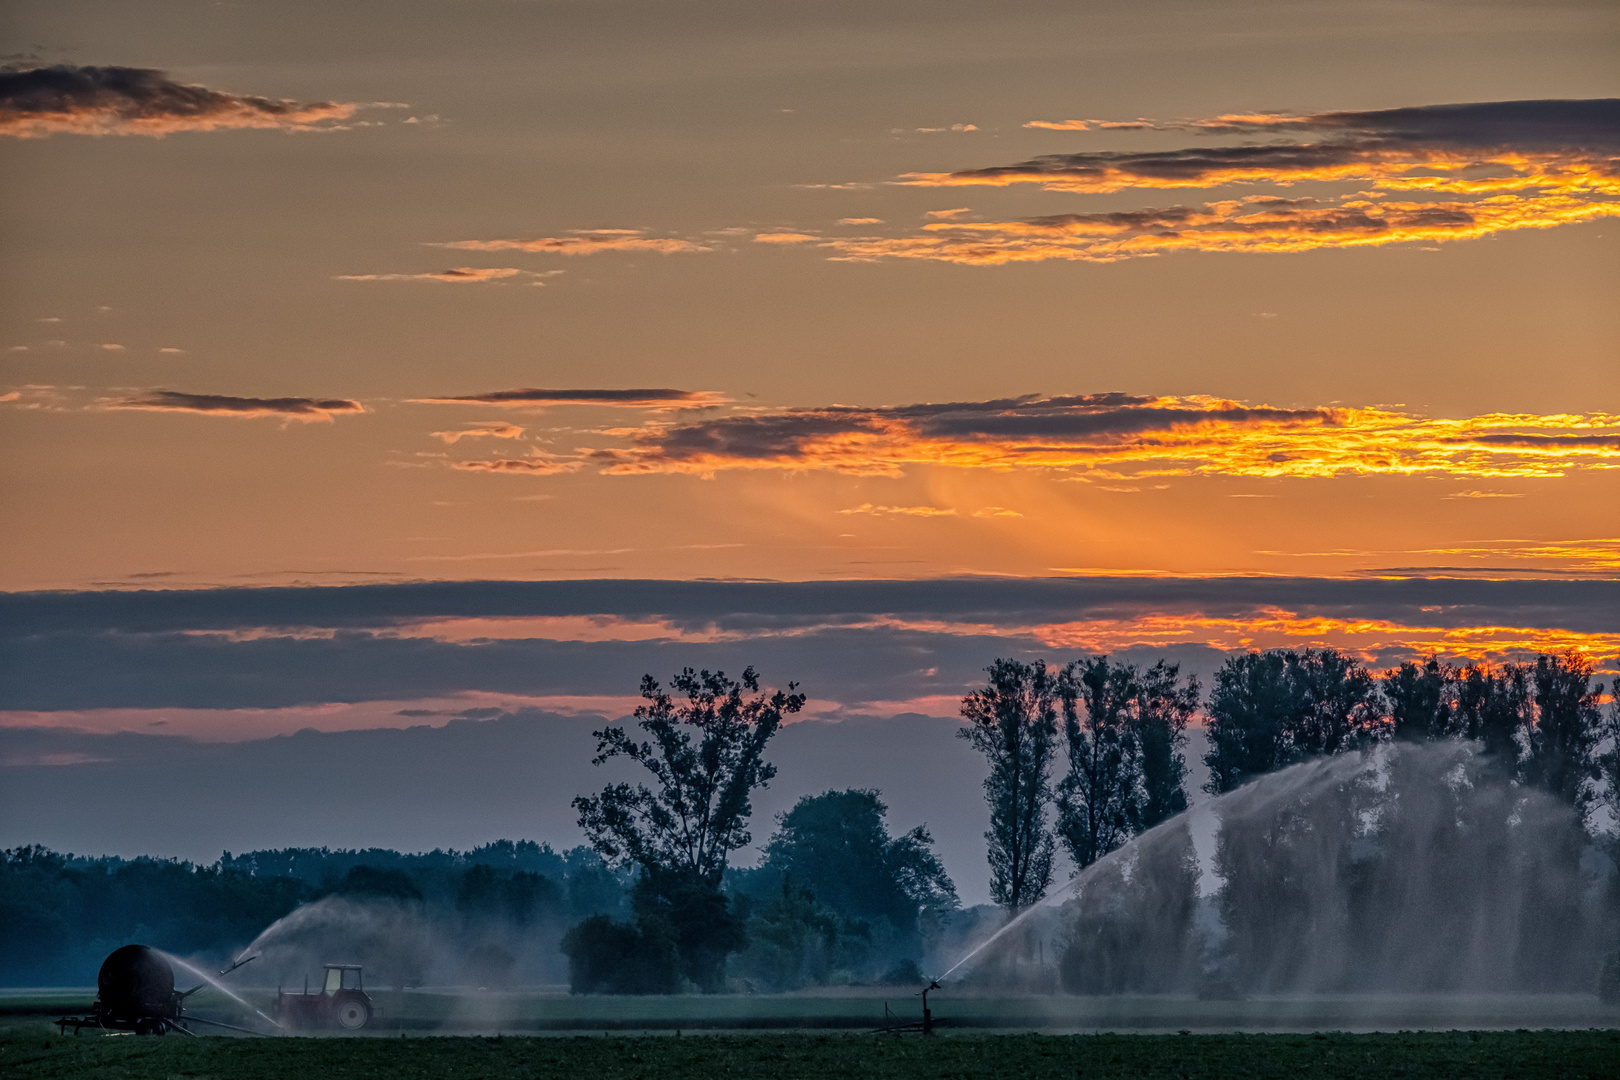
(136, 983)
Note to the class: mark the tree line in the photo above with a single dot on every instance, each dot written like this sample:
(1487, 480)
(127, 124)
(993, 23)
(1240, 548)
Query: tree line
(61, 914)
(1123, 737)
(1086, 755)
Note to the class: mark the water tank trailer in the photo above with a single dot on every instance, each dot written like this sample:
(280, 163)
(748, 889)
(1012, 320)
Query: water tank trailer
(135, 992)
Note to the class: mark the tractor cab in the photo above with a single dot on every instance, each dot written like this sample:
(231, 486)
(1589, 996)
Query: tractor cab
(341, 1001)
(342, 977)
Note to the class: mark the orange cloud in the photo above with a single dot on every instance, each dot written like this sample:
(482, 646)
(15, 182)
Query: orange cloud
(303, 409)
(1264, 627)
(907, 511)
(1252, 224)
(1280, 628)
(784, 238)
(1119, 437)
(65, 99)
(538, 463)
(586, 242)
(1464, 171)
(494, 430)
(468, 274)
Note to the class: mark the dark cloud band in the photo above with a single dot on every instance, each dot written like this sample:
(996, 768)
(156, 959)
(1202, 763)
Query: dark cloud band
(37, 102)
(532, 397)
(291, 408)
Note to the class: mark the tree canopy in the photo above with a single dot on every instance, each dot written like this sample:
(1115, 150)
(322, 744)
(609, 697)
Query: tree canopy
(837, 845)
(706, 756)
(1271, 709)
(1125, 729)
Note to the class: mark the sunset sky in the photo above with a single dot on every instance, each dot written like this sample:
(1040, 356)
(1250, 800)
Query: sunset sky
(1309, 307)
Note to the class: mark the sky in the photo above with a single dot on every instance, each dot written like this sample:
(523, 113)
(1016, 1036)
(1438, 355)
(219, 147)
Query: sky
(370, 369)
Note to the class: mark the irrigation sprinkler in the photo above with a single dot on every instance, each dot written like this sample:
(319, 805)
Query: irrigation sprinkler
(925, 1025)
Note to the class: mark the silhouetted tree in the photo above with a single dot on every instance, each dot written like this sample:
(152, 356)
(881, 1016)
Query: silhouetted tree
(1096, 801)
(1274, 708)
(1493, 706)
(1249, 708)
(1566, 730)
(1013, 723)
(1337, 702)
(608, 957)
(1608, 763)
(706, 755)
(1422, 699)
(372, 881)
(520, 898)
(793, 938)
(1164, 706)
(837, 846)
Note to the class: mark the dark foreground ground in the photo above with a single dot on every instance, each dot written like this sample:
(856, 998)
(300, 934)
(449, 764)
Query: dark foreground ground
(32, 1049)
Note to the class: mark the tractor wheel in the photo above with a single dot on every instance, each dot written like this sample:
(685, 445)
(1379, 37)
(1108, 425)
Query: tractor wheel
(352, 1013)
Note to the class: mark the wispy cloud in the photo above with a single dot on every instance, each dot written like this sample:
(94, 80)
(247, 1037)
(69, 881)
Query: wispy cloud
(1121, 438)
(1430, 174)
(461, 274)
(784, 238)
(538, 463)
(303, 409)
(586, 242)
(63, 99)
(535, 398)
(1089, 125)
(494, 430)
(903, 511)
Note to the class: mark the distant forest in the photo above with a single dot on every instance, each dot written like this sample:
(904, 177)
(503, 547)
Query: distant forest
(1085, 756)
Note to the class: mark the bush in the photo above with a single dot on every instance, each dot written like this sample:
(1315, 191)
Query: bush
(608, 957)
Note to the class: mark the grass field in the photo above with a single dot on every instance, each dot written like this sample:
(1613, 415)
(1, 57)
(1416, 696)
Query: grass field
(421, 1012)
(30, 1049)
(540, 1010)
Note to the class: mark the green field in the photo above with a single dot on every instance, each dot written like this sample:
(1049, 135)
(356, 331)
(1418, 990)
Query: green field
(554, 1010)
(33, 1049)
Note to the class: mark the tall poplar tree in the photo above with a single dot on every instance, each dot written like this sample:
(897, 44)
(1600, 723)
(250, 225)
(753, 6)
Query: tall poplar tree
(1013, 723)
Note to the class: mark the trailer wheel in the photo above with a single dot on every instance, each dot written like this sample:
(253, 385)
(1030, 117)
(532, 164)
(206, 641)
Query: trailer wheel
(352, 1013)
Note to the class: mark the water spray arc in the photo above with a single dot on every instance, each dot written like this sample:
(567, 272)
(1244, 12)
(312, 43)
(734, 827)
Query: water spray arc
(1404, 869)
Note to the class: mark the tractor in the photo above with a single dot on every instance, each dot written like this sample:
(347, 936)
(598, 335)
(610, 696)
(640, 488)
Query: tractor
(341, 1001)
